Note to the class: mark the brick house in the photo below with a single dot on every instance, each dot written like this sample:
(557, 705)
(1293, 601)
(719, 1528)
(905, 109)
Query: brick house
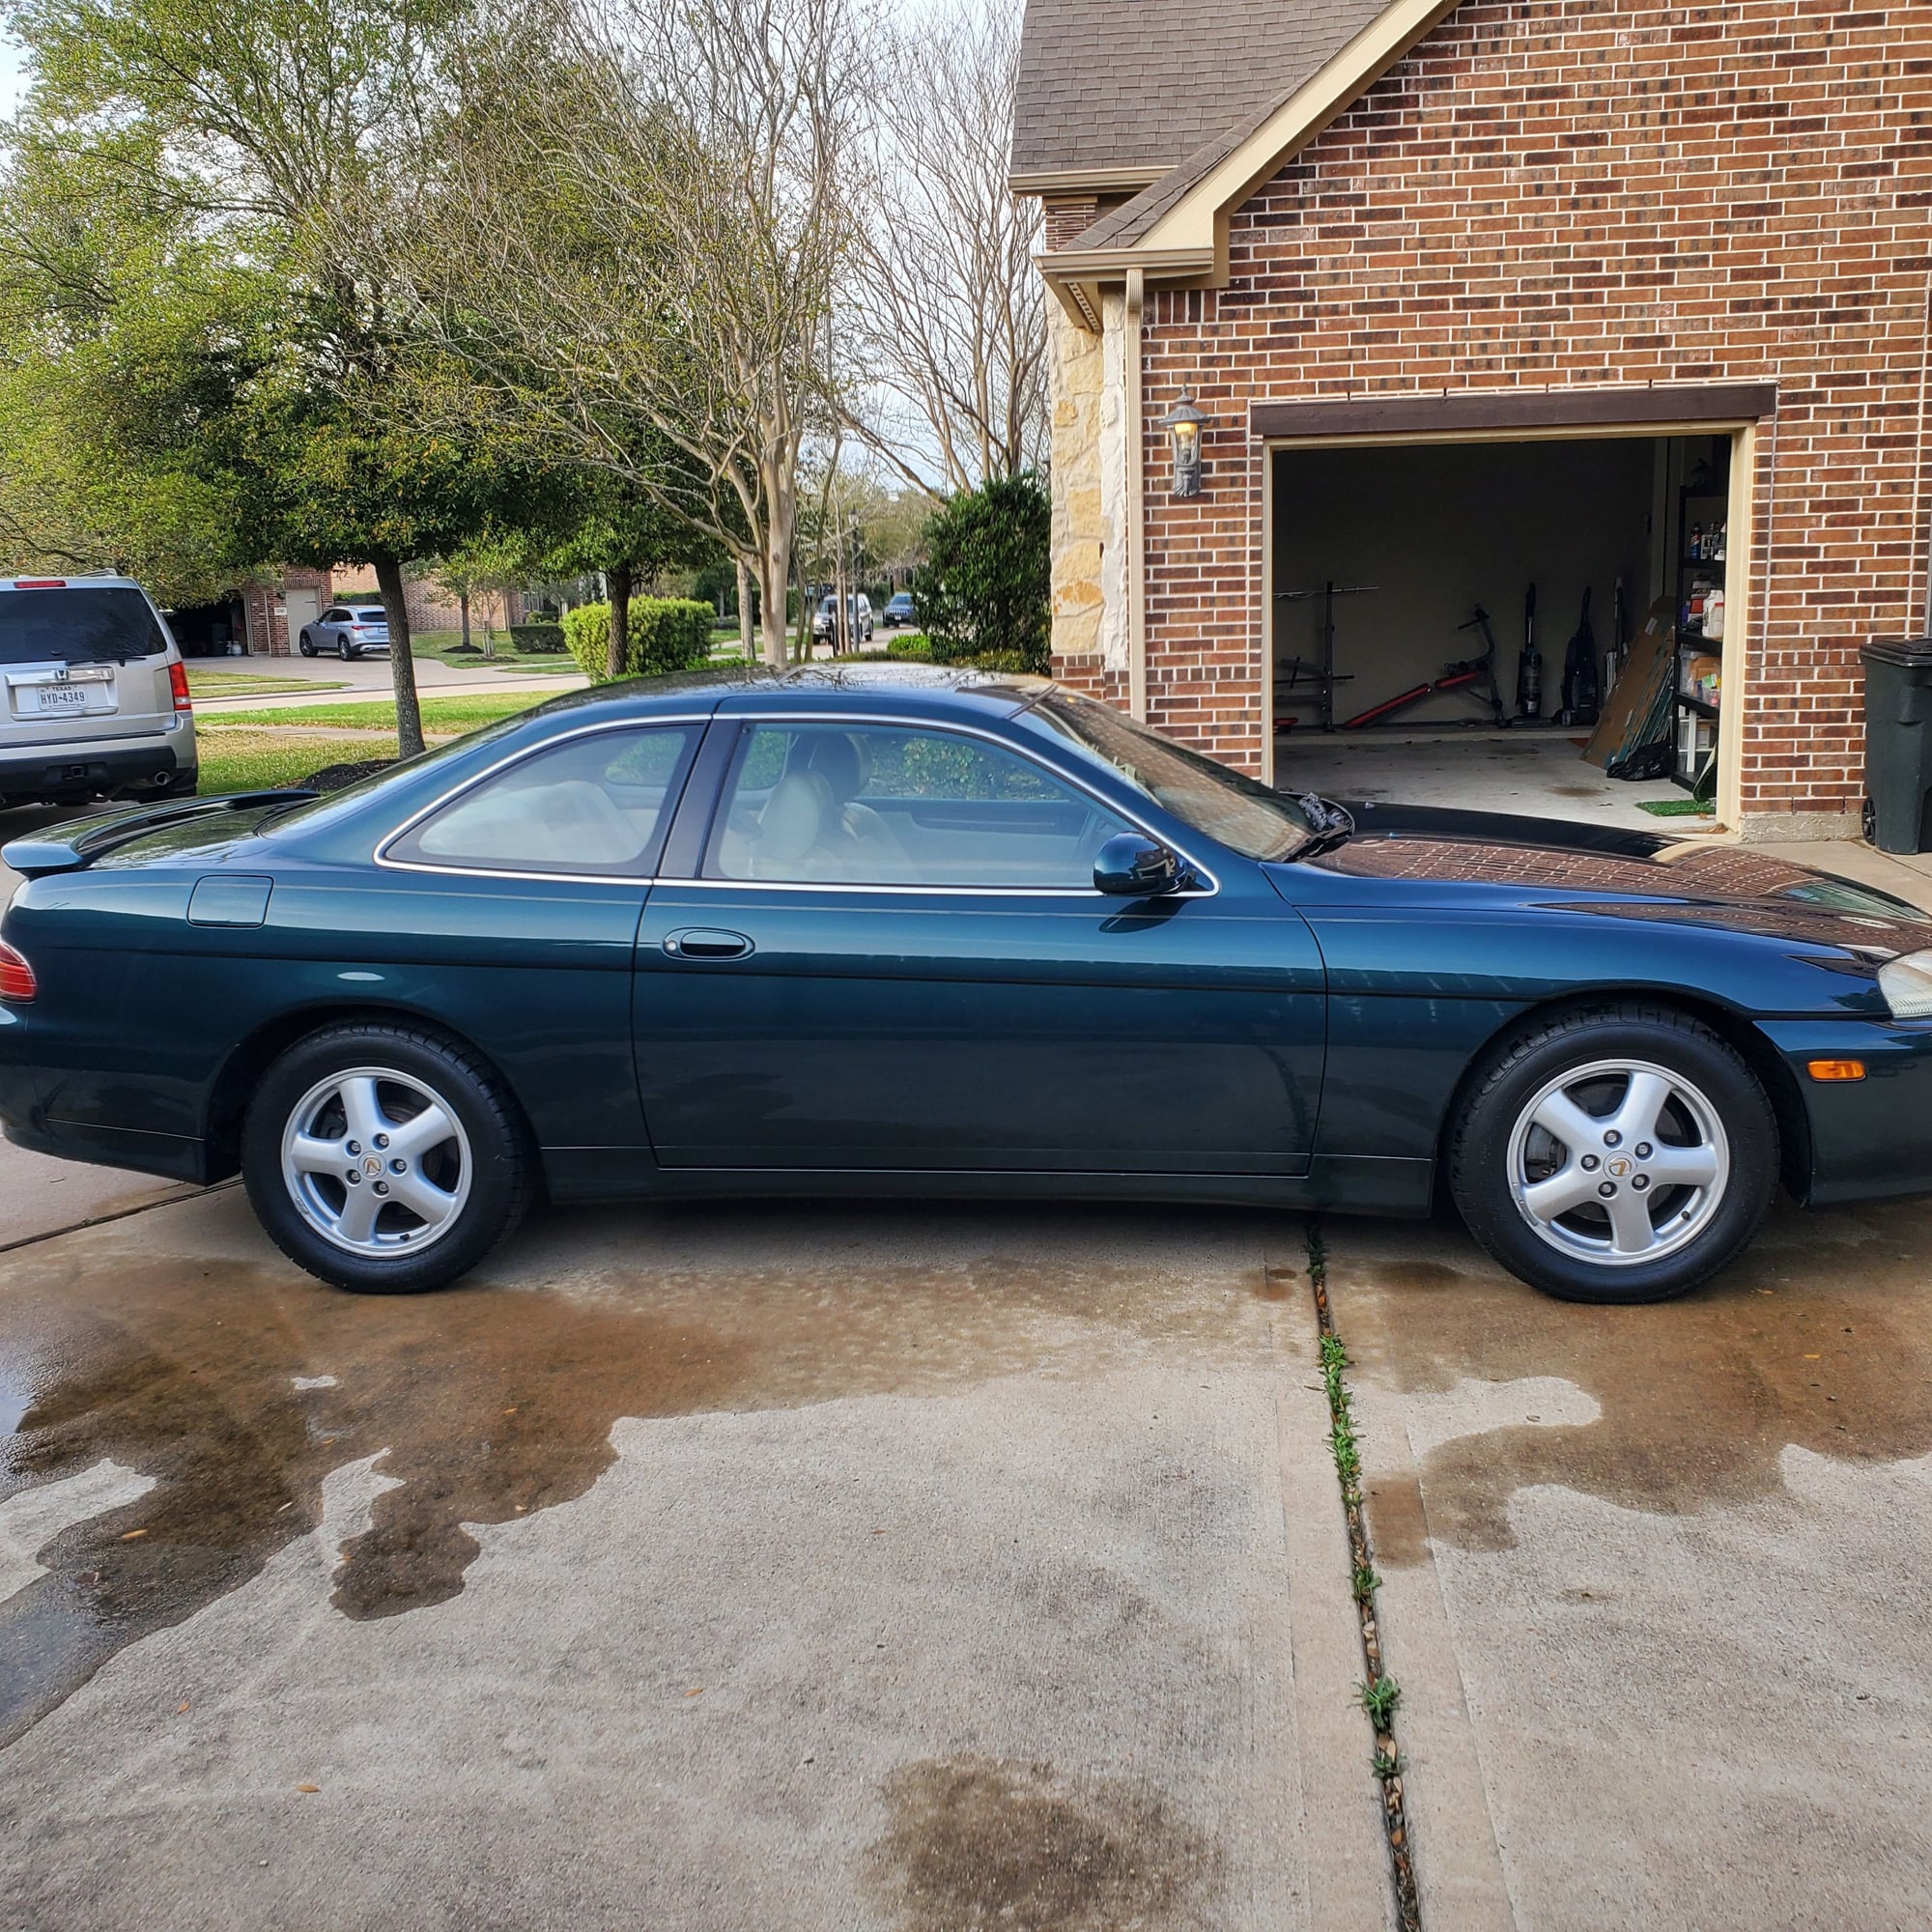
(1594, 295)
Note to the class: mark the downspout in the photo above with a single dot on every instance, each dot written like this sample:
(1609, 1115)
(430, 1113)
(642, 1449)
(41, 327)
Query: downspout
(1136, 532)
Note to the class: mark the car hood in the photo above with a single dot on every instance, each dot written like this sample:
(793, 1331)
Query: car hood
(1424, 855)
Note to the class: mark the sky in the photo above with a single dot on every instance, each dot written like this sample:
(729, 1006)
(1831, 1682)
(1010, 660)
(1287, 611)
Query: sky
(11, 79)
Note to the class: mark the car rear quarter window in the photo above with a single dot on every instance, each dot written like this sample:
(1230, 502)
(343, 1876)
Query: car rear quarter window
(78, 625)
(594, 804)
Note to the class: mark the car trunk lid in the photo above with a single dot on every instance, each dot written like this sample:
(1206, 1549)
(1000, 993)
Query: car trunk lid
(81, 841)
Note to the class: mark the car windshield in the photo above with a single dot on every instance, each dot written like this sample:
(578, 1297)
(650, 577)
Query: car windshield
(1242, 814)
(78, 625)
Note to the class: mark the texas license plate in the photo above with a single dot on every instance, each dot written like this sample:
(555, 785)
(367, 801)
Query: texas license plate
(69, 696)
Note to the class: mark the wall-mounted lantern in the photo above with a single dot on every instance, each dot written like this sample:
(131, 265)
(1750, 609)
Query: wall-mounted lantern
(1183, 423)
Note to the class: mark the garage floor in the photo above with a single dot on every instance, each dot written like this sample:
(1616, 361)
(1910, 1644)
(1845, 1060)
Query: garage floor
(1539, 776)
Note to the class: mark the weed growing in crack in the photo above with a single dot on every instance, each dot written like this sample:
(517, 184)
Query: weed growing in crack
(1379, 1697)
(1379, 1694)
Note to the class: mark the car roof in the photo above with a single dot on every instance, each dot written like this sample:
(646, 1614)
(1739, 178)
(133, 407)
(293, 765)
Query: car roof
(78, 583)
(916, 687)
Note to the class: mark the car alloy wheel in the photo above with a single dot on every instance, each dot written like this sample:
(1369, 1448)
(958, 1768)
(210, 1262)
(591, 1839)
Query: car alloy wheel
(329, 1121)
(342, 649)
(1619, 1163)
(376, 1161)
(1620, 1152)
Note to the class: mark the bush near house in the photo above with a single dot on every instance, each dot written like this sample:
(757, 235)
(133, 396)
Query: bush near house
(662, 634)
(983, 594)
(537, 637)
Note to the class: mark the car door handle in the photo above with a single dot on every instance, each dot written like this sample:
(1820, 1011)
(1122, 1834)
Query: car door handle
(704, 942)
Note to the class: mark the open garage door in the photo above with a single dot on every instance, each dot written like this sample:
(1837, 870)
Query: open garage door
(1533, 624)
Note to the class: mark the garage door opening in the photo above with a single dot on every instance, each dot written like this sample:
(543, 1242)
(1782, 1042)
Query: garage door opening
(1501, 625)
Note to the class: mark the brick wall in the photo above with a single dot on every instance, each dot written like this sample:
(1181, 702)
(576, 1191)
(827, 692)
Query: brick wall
(1582, 193)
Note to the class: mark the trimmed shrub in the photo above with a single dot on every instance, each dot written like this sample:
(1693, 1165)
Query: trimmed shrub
(984, 593)
(663, 634)
(542, 638)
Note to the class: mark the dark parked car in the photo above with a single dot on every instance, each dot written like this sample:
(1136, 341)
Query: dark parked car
(895, 930)
(900, 610)
(347, 630)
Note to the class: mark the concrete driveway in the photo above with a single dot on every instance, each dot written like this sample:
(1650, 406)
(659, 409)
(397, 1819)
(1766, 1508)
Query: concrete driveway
(699, 1568)
(852, 1568)
(1653, 1579)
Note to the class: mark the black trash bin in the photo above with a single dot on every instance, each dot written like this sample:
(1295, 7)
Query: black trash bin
(1899, 744)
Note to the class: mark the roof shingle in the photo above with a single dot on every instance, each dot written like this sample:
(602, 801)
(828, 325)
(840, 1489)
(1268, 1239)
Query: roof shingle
(1148, 83)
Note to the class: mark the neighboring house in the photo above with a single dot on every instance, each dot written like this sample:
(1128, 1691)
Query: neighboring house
(1479, 296)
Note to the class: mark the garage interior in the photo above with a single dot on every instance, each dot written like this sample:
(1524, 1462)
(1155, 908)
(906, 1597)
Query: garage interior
(1383, 555)
(217, 630)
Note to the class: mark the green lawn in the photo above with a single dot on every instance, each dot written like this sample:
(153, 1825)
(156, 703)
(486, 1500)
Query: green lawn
(260, 760)
(444, 646)
(249, 684)
(463, 713)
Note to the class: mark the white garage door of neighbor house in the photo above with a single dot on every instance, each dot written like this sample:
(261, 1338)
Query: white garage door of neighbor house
(303, 606)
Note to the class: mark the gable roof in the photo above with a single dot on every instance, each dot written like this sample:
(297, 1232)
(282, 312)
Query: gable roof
(1174, 228)
(1117, 93)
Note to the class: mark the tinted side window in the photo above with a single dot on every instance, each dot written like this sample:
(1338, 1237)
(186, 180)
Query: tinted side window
(78, 625)
(818, 804)
(594, 804)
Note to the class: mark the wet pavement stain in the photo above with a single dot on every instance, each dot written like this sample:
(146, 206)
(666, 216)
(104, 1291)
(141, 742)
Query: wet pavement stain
(1818, 1337)
(237, 1386)
(977, 1843)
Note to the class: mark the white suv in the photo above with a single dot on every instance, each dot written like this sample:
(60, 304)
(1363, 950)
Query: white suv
(96, 693)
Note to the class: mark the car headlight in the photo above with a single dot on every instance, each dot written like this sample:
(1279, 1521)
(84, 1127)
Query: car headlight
(1907, 985)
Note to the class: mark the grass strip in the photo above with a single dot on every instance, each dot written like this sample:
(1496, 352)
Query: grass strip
(249, 684)
(261, 760)
(1378, 1693)
(438, 714)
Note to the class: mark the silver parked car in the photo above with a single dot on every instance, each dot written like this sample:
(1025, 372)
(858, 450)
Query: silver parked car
(858, 620)
(347, 630)
(96, 693)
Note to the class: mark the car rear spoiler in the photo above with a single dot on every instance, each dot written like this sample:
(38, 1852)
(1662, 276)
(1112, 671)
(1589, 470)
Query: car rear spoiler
(66, 848)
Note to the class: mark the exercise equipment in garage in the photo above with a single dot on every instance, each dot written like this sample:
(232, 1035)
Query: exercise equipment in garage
(1476, 675)
(1320, 677)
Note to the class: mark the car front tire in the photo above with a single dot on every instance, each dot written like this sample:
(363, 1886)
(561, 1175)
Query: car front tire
(305, 645)
(384, 1158)
(1621, 1153)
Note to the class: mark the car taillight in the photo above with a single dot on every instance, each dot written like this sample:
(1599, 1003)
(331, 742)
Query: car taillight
(39, 583)
(178, 684)
(17, 985)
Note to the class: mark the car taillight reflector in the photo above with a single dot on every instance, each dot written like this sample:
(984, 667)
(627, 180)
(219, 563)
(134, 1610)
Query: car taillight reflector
(178, 684)
(17, 985)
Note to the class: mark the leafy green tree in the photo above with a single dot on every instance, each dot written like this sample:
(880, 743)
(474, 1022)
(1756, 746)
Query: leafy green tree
(273, 137)
(628, 536)
(983, 591)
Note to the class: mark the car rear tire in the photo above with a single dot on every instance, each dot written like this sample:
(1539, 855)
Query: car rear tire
(1623, 1154)
(442, 1166)
(342, 649)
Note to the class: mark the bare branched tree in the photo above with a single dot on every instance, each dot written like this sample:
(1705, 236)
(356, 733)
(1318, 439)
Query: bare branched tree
(951, 326)
(640, 232)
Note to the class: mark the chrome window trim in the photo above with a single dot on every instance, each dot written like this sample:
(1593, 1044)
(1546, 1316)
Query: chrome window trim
(702, 719)
(897, 723)
(381, 854)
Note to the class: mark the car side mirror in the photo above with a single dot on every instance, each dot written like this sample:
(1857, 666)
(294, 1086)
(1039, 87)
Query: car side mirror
(1132, 865)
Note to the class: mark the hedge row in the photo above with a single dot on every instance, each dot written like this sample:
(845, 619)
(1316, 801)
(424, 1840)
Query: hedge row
(663, 634)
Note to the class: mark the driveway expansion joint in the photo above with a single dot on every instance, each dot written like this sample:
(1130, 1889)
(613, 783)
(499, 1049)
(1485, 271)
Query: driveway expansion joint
(1378, 1693)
